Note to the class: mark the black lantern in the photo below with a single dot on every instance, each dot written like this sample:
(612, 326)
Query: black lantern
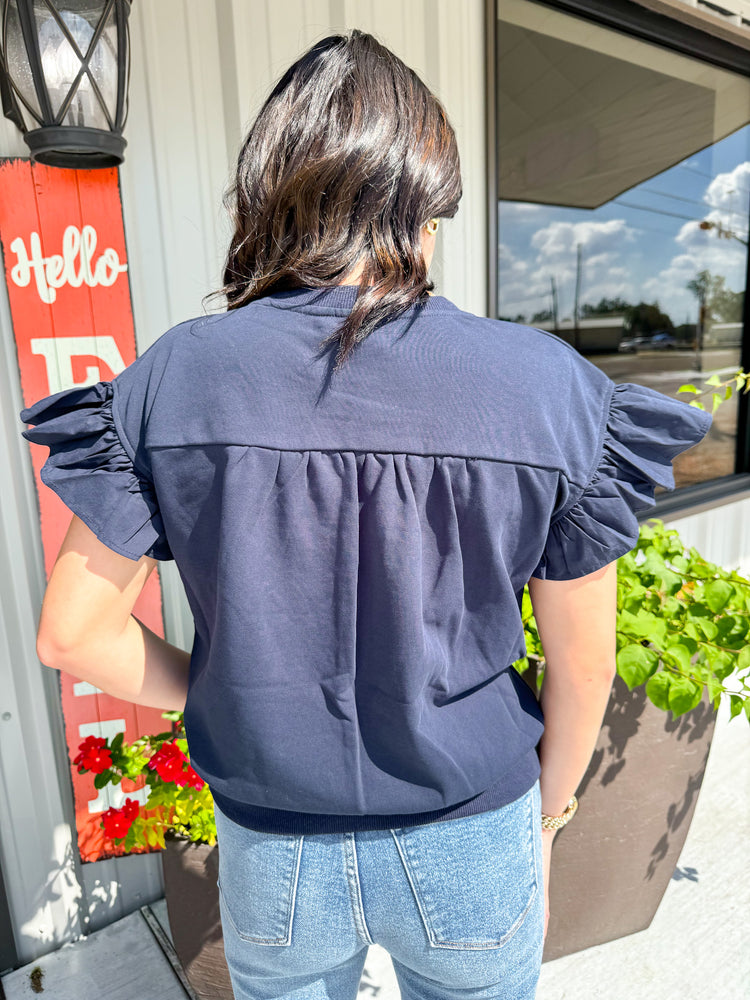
(64, 69)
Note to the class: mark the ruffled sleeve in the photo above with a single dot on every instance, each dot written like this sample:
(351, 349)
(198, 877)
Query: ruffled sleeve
(643, 432)
(93, 473)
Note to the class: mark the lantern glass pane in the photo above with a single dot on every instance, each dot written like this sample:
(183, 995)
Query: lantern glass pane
(62, 61)
(104, 63)
(18, 62)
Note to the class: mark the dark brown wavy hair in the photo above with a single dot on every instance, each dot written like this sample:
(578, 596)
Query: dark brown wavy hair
(347, 159)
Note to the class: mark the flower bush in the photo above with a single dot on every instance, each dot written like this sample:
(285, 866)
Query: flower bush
(178, 798)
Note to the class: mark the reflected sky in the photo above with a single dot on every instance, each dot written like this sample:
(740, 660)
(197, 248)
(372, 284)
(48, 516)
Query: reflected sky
(645, 245)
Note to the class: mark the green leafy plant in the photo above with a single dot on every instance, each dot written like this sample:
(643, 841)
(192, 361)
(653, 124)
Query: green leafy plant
(683, 625)
(178, 799)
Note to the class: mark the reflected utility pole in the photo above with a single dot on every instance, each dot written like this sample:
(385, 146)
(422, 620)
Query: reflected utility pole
(554, 300)
(577, 332)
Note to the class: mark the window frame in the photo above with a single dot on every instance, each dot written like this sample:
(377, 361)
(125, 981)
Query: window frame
(632, 19)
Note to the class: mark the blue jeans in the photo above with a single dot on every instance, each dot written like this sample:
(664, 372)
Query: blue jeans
(459, 905)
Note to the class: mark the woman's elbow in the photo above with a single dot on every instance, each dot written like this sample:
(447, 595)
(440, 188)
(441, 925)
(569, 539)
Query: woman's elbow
(56, 649)
(46, 652)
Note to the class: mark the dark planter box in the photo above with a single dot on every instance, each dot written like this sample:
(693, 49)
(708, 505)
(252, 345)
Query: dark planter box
(192, 896)
(612, 864)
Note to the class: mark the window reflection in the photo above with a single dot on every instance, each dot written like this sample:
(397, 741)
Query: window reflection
(624, 184)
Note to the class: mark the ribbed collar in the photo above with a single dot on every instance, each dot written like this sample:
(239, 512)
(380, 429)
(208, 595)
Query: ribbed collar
(338, 300)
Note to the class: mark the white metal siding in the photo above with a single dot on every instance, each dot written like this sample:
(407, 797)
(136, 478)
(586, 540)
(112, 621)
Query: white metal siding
(721, 535)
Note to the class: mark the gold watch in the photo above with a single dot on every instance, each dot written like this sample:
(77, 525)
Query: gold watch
(556, 822)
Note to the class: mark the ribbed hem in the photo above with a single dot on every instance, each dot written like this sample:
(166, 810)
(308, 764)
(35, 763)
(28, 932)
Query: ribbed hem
(514, 784)
(338, 300)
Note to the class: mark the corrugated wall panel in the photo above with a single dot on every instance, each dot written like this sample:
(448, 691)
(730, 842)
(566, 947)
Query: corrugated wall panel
(721, 535)
(175, 163)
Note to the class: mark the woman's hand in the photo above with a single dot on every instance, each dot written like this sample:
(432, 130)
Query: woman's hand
(547, 837)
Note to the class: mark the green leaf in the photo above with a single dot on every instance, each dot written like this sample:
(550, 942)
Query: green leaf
(683, 695)
(735, 705)
(732, 630)
(713, 380)
(654, 562)
(693, 630)
(679, 655)
(636, 663)
(721, 661)
(709, 628)
(527, 608)
(521, 665)
(643, 625)
(690, 644)
(697, 404)
(728, 392)
(717, 593)
(714, 690)
(102, 779)
(716, 398)
(689, 387)
(657, 689)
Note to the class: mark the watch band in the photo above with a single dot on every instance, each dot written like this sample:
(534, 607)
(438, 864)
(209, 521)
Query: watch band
(557, 822)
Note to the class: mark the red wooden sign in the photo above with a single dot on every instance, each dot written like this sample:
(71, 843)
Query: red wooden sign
(66, 268)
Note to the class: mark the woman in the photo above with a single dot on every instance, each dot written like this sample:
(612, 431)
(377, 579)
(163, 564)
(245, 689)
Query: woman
(356, 480)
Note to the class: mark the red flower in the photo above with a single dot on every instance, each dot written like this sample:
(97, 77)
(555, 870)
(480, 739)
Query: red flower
(95, 755)
(171, 764)
(131, 808)
(117, 822)
(168, 762)
(194, 779)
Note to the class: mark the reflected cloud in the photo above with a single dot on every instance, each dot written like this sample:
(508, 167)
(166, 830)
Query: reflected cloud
(560, 239)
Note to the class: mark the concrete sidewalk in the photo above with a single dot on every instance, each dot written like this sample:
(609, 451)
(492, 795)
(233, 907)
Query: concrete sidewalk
(695, 949)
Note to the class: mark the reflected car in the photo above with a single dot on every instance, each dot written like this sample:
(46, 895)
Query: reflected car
(663, 341)
(629, 345)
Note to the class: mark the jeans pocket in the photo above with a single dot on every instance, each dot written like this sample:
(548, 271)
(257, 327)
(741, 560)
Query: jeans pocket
(258, 875)
(476, 878)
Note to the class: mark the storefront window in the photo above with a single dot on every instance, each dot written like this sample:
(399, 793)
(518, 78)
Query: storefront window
(624, 198)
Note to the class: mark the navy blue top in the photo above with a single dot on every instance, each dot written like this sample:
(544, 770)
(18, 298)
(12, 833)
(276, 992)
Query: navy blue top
(354, 549)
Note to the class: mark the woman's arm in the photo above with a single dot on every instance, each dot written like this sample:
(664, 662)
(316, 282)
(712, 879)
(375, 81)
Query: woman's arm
(576, 620)
(86, 627)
